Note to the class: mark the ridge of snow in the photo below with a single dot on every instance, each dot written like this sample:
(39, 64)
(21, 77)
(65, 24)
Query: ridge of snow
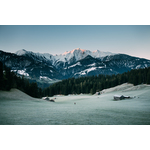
(91, 65)
(43, 55)
(77, 54)
(97, 54)
(84, 72)
(77, 64)
(44, 77)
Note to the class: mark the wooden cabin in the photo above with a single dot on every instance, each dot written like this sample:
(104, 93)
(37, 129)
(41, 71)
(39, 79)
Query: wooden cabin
(120, 97)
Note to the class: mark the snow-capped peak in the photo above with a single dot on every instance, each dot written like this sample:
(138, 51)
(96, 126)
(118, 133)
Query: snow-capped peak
(39, 55)
(84, 53)
(98, 54)
(75, 54)
(73, 51)
(21, 52)
(78, 49)
(96, 51)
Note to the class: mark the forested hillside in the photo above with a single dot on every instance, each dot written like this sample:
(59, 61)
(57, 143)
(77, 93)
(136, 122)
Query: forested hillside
(91, 84)
(10, 80)
(97, 83)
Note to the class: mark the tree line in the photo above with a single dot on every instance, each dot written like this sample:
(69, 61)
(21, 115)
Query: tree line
(93, 84)
(10, 80)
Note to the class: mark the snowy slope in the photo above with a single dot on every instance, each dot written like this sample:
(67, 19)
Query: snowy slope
(40, 56)
(17, 108)
(98, 54)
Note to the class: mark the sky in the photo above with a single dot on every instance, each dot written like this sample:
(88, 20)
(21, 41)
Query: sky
(56, 39)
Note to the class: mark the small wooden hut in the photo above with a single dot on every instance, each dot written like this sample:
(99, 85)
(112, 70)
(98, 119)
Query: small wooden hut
(120, 97)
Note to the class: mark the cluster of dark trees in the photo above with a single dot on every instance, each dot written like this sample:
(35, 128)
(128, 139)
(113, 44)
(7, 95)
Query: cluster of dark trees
(98, 83)
(91, 84)
(10, 80)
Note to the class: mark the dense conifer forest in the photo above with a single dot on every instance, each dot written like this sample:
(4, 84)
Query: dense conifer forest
(90, 84)
(10, 80)
(98, 83)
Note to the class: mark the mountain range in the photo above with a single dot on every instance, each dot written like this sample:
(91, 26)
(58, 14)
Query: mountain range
(46, 69)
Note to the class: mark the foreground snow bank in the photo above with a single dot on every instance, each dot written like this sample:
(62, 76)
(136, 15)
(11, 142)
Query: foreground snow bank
(15, 94)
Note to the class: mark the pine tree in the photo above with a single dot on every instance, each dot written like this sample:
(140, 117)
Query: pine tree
(8, 81)
(148, 77)
(1, 75)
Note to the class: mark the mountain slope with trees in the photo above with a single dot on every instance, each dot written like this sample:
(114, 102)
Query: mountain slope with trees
(90, 84)
(98, 83)
(10, 80)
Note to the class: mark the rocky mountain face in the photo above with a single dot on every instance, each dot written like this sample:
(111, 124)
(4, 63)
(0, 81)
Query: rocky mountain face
(47, 69)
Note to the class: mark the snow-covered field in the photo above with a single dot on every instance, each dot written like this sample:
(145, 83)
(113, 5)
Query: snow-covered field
(20, 109)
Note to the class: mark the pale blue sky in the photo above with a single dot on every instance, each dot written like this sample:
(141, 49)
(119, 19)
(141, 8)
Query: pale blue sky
(132, 40)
